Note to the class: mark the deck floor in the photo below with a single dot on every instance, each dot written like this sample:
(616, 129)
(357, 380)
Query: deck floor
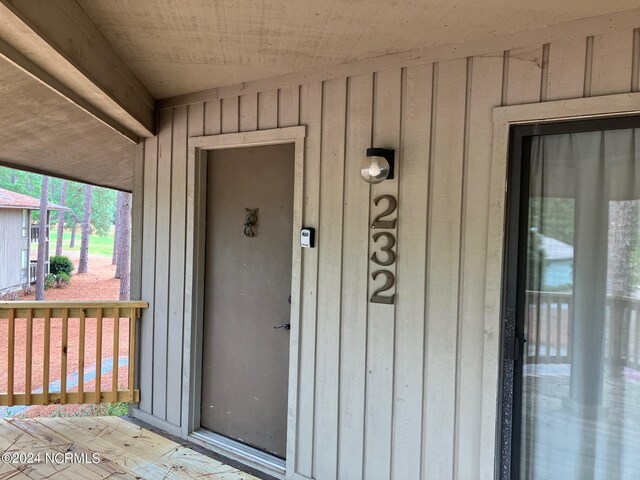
(125, 450)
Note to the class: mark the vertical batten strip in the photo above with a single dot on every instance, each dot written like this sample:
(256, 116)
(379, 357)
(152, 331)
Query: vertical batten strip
(212, 118)
(381, 321)
(11, 339)
(588, 67)
(443, 261)
(427, 265)
(98, 355)
(544, 84)
(460, 332)
(63, 356)
(81, 339)
(635, 69)
(47, 356)
(412, 212)
(162, 272)
(116, 354)
(28, 357)
(148, 290)
(177, 247)
(133, 318)
(329, 273)
(485, 93)
(310, 115)
(354, 272)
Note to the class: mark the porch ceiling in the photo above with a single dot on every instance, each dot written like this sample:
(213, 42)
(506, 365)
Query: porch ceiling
(42, 131)
(182, 46)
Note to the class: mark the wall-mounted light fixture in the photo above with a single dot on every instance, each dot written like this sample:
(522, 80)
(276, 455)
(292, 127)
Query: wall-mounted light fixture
(379, 165)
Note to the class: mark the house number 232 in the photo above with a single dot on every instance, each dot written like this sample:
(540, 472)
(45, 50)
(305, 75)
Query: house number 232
(384, 256)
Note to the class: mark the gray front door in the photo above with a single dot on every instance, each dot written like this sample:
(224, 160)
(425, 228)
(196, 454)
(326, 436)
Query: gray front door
(245, 361)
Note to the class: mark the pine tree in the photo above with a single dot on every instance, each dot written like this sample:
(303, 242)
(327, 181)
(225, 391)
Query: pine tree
(42, 239)
(83, 265)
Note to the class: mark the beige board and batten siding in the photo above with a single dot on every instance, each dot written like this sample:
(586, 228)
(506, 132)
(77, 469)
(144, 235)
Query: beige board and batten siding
(402, 391)
(11, 246)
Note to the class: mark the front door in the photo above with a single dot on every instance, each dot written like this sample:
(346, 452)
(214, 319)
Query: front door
(245, 361)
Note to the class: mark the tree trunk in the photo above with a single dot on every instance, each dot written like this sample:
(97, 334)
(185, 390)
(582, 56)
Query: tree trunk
(42, 240)
(72, 242)
(83, 265)
(124, 243)
(63, 201)
(121, 217)
(114, 257)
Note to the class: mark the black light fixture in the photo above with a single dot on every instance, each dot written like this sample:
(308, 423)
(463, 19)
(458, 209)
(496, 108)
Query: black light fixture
(379, 165)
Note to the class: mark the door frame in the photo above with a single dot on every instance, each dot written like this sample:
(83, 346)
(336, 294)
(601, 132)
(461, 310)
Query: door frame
(198, 148)
(499, 316)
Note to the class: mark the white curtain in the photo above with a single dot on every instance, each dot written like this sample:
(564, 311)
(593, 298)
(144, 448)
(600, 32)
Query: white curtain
(581, 382)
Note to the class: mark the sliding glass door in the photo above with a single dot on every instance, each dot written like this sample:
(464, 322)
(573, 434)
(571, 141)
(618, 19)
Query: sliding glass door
(571, 372)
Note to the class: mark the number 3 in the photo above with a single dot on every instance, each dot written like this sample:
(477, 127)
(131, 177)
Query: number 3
(391, 255)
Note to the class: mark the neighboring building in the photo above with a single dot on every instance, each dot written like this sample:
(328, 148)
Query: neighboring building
(558, 263)
(16, 236)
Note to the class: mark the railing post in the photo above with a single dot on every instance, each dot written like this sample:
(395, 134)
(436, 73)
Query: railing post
(63, 356)
(98, 355)
(82, 325)
(116, 352)
(28, 357)
(47, 355)
(11, 354)
(132, 352)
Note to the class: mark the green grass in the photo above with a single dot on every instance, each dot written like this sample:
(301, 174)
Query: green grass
(97, 245)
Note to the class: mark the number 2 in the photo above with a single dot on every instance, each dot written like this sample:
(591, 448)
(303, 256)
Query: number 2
(390, 281)
(392, 206)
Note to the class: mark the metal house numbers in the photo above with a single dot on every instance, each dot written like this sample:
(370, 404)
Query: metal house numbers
(384, 256)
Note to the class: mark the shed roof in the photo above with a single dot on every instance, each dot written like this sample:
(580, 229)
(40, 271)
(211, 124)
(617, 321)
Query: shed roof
(9, 199)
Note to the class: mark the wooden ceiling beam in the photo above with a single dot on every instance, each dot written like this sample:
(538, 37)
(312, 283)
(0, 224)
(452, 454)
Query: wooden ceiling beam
(58, 44)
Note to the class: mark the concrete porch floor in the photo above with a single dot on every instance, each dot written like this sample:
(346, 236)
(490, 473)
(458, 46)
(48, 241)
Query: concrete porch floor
(36, 448)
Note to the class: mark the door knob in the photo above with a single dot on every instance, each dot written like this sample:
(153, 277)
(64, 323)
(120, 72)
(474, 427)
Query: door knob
(286, 326)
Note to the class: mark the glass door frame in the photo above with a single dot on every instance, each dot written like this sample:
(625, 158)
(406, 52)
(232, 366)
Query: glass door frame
(514, 274)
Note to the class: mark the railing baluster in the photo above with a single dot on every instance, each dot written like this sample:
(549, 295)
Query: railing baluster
(11, 337)
(28, 357)
(548, 340)
(569, 328)
(63, 356)
(116, 353)
(81, 326)
(637, 336)
(98, 353)
(559, 329)
(132, 352)
(538, 336)
(47, 349)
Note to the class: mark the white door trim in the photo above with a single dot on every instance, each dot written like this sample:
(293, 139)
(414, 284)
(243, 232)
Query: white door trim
(194, 276)
(503, 119)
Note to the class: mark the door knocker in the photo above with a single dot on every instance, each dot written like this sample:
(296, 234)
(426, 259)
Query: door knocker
(250, 220)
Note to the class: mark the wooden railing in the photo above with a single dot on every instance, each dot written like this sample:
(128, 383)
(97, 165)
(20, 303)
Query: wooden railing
(56, 352)
(550, 320)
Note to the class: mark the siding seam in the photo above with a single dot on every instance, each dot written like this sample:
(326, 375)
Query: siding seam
(432, 143)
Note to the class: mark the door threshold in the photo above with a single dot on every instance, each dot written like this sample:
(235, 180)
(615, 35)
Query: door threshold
(249, 456)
